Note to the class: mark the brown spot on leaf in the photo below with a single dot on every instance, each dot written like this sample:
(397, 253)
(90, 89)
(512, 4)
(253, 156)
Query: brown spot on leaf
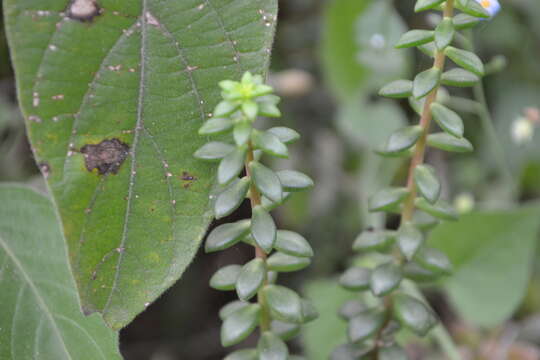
(106, 157)
(83, 10)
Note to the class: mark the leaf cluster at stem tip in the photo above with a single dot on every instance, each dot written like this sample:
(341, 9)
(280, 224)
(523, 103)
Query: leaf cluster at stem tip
(403, 252)
(276, 310)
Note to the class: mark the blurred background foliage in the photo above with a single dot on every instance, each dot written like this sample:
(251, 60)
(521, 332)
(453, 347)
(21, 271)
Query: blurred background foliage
(330, 59)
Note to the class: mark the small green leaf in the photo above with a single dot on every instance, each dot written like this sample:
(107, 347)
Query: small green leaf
(434, 261)
(214, 150)
(309, 312)
(448, 120)
(292, 243)
(429, 49)
(263, 228)
(387, 199)
(226, 108)
(231, 198)
(270, 144)
(231, 165)
(427, 183)
(459, 78)
(365, 325)
(373, 240)
(269, 110)
(351, 308)
(466, 59)
(266, 181)
(410, 239)
(244, 354)
(355, 279)
(448, 142)
(441, 209)
(413, 314)
(286, 331)
(392, 352)
(240, 324)
(424, 221)
(242, 132)
(250, 109)
(423, 5)
(250, 279)
(426, 82)
(281, 262)
(397, 89)
(444, 33)
(385, 279)
(417, 273)
(226, 235)
(464, 21)
(225, 278)
(414, 38)
(284, 304)
(473, 8)
(403, 139)
(216, 126)
(284, 134)
(294, 180)
(231, 307)
(271, 347)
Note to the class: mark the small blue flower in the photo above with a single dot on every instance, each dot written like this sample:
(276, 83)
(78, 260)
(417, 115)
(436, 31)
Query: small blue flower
(492, 6)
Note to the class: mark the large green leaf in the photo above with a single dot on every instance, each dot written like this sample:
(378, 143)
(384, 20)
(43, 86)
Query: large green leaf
(114, 92)
(492, 253)
(41, 316)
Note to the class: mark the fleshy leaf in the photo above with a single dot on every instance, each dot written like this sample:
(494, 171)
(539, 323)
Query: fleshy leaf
(427, 183)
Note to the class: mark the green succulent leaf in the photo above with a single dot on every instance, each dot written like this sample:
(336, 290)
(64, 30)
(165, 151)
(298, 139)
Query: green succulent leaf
(466, 59)
(423, 5)
(365, 326)
(271, 347)
(244, 354)
(441, 209)
(41, 316)
(464, 21)
(120, 89)
(213, 151)
(373, 240)
(403, 139)
(242, 132)
(387, 199)
(414, 314)
(434, 261)
(426, 82)
(281, 262)
(285, 304)
(240, 324)
(231, 307)
(448, 120)
(417, 273)
(459, 78)
(216, 126)
(409, 239)
(385, 278)
(309, 312)
(250, 279)
(397, 89)
(393, 352)
(351, 308)
(226, 235)
(427, 183)
(225, 108)
(263, 228)
(225, 278)
(266, 181)
(444, 33)
(230, 198)
(356, 279)
(449, 142)
(292, 180)
(292, 243)
(270, 144)
(231, 165)
(414, 38)
(284, 134)
(286, 331)
(429, 49)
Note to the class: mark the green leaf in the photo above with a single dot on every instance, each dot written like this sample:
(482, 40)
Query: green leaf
(417, 273)
(444, 33)
(240, 324)
(466, 59)
(434, 261)
(294, 180)
(403, 139)
(459, 78)
(365, 325)
(225, 108)
(270, 144)
(263, 228)
(464, 21)
(269, 110)
(231, 198)
(429, 49)
(414, 38)
(423, 5)
(448, 142)
(292, 243)
(271, 347)
(355, 279)
(410, 239)
(385, 278)
(225, 278)
(448, 120)
(427, 183)
(266, 181)
(286, 331)
(397, 89)
(414, 314)
(226, 235)
(351, 308)
(281, 262)
(121, 91)
(285, 304)
(392, 352)
(309, 312)
(373, 240)
(244, 354)
(231, 307)
(214, 150)
(41, 314)
(250, 108)
(441, 209)
(387, 199)
(284, 134)
(473, 8)
(492, 253)
(250, 279)
(231, 165)
(425, 82)
(216, 126)
(242, 132)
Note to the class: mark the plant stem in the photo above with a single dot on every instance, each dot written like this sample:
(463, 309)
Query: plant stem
(255, 199)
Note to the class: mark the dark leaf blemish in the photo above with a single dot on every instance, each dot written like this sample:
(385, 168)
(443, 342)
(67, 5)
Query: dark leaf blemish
(106, 157)
(188, 178)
